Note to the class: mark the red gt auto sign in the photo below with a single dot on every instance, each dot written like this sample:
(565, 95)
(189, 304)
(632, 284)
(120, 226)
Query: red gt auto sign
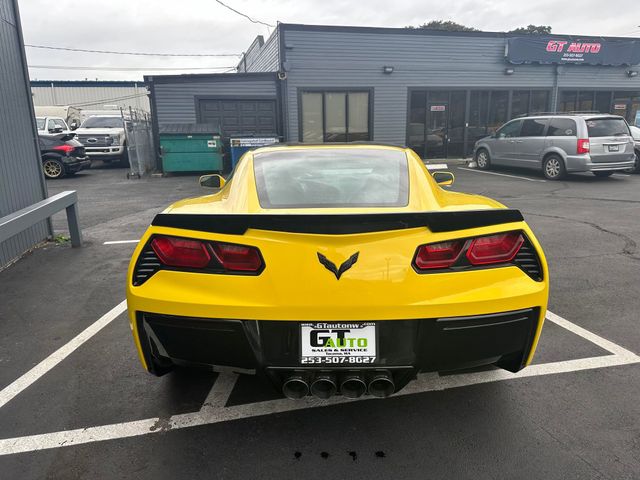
(549, 50)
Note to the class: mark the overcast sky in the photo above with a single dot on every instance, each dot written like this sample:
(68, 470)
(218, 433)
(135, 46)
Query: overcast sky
(205, 27)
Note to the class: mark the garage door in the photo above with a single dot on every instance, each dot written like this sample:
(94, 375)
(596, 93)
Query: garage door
(240, 117)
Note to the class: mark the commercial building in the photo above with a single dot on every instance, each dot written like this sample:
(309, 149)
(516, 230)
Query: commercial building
(435, 91)
(90, 94)
(21, 180)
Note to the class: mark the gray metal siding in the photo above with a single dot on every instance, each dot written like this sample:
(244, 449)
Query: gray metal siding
(266, 59)
(21, 181)
(355, 59)
(91, 97)
(175, 102)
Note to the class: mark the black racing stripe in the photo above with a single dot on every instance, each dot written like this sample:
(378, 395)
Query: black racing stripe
(337, 224)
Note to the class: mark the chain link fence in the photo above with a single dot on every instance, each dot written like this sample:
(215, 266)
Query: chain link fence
(140, 143)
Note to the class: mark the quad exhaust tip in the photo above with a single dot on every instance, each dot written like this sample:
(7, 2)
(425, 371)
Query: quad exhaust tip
(295, 387)
(353, 386)
(381, 385)
(324, 386)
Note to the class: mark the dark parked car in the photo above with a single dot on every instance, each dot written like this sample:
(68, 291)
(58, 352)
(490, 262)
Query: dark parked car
(62, 155)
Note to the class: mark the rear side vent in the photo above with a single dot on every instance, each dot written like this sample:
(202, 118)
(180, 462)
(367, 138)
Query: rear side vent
(148, 264)
(528, 260)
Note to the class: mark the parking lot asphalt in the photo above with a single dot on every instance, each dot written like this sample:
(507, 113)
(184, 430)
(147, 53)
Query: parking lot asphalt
(92, 412)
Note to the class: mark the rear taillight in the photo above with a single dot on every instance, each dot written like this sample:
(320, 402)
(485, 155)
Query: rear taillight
(583, 145)
(180, 252)
(67, 149)
(499, 248)
(438, 255)
(237, 258)
(215, 257)
(469, 252)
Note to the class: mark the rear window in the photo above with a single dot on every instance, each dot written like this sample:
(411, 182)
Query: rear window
(40, 123)
(607, 127)
(561, 127)
(339, 178)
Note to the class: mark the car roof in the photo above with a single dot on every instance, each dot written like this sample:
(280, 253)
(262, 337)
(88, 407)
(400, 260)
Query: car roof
(583, 115)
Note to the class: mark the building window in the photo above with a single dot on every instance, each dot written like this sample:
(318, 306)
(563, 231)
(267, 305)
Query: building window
(335, 116)
(498, 110)
(539, 101)
(312, 130)
(623, 102)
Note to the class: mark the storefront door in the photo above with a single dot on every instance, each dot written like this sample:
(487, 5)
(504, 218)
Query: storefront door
(437, 130)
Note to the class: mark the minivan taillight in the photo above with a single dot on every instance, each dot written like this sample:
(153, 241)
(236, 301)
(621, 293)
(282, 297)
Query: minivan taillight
(583, 145)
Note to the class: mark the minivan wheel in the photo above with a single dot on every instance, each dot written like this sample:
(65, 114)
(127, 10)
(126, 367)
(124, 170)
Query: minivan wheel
(482, 159)
(553, 168)
(636, 165)
(607, 173)
(53, 168)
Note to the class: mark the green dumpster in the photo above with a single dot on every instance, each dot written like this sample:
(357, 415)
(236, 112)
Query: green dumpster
(190, 147)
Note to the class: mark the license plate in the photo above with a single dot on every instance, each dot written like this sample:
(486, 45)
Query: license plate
(338, 343)
(614, 148)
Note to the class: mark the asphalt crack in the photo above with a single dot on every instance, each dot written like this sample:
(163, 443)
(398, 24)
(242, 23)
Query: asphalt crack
(630, 246)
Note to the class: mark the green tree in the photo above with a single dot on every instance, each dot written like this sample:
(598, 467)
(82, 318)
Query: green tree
(533, 30)
(447, 25)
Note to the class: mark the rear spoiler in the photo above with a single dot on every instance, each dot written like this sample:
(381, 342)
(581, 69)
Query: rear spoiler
(337, 224)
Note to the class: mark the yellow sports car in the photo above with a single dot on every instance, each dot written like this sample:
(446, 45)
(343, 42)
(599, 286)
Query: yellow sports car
(336, 269)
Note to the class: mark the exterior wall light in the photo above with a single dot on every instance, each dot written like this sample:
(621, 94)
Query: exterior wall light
(632, 73)
(388, 69)
(509, 71)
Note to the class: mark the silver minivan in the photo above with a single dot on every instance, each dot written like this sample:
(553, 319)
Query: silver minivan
(560, 143)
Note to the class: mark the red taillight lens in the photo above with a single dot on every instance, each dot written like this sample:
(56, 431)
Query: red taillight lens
(438, 255)
(238, 258)
(583, 145)
(499, 248)
(180, 252)
(64, 148)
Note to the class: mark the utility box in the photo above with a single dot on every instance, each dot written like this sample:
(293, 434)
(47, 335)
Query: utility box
(240, 145)
(190, 147)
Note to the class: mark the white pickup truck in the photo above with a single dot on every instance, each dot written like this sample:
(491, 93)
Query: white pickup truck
(103, 138)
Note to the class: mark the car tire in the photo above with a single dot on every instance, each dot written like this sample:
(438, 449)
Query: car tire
(483, 160)
(604, 174)
(553, 168)
(53, 168)
(636, 165)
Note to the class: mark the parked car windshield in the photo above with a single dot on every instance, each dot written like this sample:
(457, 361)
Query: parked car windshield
(635, 132)
(332, 178)
(103, 122)
(607, 127)
(40, 123)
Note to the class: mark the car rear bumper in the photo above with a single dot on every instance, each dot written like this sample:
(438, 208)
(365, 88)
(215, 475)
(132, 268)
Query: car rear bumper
(584, 163)
(405, 347)
(75, 164)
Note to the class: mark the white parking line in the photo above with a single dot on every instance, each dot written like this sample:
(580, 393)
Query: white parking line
(118, 242)
(213, 410)
(436, 166)
(59, 355)
(502, 174)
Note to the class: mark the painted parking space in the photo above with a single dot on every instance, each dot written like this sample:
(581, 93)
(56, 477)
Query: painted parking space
(214, 409)
(96, 414)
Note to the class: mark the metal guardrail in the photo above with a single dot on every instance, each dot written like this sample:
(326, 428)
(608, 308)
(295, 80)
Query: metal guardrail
(19, 221)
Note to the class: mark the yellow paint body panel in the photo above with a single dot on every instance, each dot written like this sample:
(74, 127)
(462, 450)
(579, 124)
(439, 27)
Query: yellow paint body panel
(382, 285)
